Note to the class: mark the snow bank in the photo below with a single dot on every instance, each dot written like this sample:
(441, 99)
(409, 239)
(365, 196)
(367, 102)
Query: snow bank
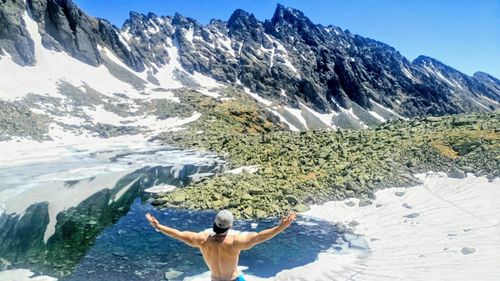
(23, 275)
(445, 229)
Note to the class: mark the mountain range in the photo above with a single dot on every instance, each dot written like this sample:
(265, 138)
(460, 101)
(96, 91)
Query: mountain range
(65, 69)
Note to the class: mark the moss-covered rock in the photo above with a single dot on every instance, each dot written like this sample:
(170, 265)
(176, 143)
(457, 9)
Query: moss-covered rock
(297, 169)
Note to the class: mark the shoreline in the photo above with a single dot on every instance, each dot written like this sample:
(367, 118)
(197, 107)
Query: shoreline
(443, 227)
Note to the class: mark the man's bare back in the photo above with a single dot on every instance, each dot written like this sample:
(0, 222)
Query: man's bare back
(221, 252)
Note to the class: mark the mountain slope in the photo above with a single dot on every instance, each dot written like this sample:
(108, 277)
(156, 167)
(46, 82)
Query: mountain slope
(309, 76)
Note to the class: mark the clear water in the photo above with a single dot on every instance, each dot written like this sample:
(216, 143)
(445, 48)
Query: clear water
(132, 250)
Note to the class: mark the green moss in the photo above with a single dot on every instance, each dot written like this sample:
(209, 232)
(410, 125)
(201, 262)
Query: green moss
(299, 169)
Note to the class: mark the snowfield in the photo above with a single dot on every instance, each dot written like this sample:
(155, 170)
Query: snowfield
(444, 229)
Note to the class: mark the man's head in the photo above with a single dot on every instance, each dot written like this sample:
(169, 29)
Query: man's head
(223, 222)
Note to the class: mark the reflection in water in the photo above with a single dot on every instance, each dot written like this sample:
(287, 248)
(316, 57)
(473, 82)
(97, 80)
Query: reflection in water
(51, 213)
(132, 250)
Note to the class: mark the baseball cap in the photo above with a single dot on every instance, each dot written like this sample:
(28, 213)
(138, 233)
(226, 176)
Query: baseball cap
(223, 221)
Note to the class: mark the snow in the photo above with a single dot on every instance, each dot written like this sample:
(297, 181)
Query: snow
(271, 58)
(298, 114)
(162, 188)
(165, 74)
(205, 81)
(209, 93)
(169, 124)
(239, 48)
(324, 117)
(189, 34)
(438, 73)
(377, 116)
(245, 169)
(100, 115)
(283, 119)
(290, 65)
(18, 151)
(23, 275)
(50, 67)
(480, 104)
(152, 95)
(490, 100)
(407, 73)
(124, 40)
(226, 42)
(453, 214)
(257, 97)
(388, 110)
(110, 55)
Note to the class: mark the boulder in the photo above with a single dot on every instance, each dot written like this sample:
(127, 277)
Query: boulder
(456, 173)
(292, 199)
(364, 202)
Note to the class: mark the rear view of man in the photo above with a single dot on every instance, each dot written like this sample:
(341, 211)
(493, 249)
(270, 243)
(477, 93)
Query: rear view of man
(221, 250)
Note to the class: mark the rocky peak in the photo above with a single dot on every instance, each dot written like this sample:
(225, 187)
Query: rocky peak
(288, 15)
(135, 18)
(289, 21)
(182, 21)
(486, 76)
(242, 23)
(428, 61)
(488, 81)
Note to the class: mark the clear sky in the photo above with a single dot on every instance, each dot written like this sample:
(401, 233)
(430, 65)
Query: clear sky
(464, 34)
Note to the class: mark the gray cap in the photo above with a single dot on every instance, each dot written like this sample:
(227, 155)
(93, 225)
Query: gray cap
(223, 221)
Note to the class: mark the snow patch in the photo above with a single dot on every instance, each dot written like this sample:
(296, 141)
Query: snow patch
(450, 214)
(23, 275)
(388, 110)
(257, 97)
(298, 114)
(283, 119)
(377, 116)
(245, 169)
(50, 68)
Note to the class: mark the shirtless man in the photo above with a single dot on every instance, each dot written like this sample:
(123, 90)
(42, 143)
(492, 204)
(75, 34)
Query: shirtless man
(221, 250)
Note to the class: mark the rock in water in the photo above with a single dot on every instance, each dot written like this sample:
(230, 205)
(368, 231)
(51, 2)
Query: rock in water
(173, 275)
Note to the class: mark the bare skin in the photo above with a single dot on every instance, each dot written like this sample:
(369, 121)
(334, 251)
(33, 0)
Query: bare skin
(221, 252)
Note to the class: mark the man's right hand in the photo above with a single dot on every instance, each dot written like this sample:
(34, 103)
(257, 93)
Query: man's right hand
(152, 220)
(287, 220)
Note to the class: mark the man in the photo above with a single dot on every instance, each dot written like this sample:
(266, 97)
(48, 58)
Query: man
(220, 249)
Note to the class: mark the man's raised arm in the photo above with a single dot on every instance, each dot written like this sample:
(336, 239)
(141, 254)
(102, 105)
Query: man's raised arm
(191, 238)
(249, 240)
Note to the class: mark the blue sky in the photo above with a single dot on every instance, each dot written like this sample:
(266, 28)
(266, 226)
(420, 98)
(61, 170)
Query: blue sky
(464, 34)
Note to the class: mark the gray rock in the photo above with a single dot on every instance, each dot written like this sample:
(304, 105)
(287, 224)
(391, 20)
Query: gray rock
(291, 199)
(364, 202)
(468, 251)
(350, 204)
(399, 193)
(412, 215)
(456, 173)
(353, 224)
